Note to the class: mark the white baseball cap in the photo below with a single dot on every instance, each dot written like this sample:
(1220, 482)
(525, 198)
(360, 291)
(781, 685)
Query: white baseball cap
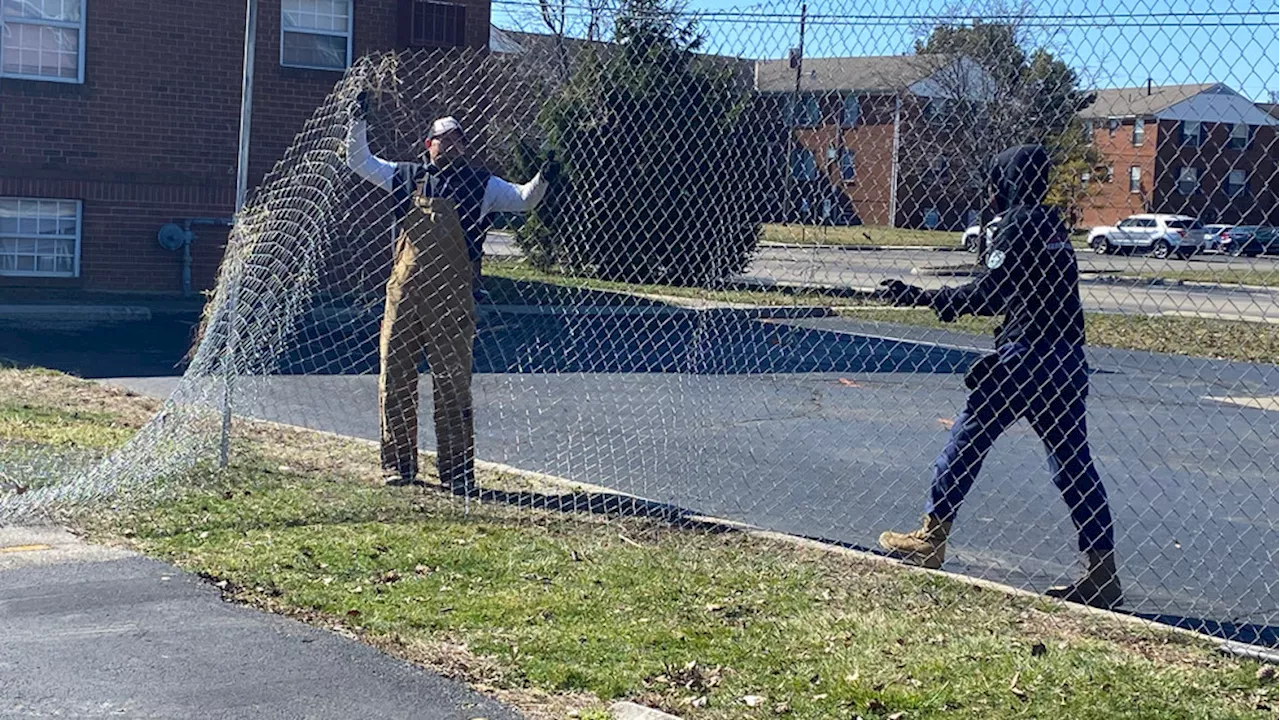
(444, 125)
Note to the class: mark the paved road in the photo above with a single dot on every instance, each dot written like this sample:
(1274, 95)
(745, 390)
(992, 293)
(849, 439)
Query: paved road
(93, 632)
(864, 269)
(827, 428)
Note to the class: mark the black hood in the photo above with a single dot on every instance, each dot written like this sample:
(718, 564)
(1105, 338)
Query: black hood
(1019, 176)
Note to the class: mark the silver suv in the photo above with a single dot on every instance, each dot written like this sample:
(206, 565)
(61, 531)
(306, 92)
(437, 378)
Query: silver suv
(1161, 235)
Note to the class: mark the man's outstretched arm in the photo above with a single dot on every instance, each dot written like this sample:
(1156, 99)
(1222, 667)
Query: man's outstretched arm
(502, 196)
(365, 163)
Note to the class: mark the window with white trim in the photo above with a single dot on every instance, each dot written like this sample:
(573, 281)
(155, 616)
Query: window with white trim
(1237, 182)
(1139, 131)
(1135, 179)
(42, 40)
(1191, 133)
(848, 165)
(315, 34)
(852, 110)
(39, 237)
(1239, 137)
(1188, 180)
(806, 113)
(437, 24)
(804, 166)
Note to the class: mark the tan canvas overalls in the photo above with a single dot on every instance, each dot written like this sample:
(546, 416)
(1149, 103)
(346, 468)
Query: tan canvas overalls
(429, 309)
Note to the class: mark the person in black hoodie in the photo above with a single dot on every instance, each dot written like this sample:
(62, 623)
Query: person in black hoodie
(1037, 372)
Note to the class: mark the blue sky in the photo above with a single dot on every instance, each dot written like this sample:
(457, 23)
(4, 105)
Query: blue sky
(1228, 41)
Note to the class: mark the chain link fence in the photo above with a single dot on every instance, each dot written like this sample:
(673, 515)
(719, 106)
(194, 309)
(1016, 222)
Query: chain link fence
(690, 315)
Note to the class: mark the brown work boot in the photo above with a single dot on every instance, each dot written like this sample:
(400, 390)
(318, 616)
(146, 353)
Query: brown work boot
(926, 547)
(1100, 586)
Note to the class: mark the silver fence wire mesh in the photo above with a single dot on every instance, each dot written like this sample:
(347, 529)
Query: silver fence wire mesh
(680, 293)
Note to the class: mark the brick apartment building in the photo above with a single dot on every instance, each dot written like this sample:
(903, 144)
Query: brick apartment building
(874, 138)
(1199, 150)
(118, 116)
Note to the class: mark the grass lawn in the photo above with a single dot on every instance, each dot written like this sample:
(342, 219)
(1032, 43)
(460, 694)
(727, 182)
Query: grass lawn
(560, 613)
(859, 235)
(1198, 337)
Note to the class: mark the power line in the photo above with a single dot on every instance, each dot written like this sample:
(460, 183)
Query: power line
(949, 17)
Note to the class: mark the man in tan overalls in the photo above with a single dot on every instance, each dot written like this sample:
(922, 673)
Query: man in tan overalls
(443, 207)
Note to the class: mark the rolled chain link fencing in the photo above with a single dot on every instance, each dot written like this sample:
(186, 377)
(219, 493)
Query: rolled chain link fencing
(687, 316)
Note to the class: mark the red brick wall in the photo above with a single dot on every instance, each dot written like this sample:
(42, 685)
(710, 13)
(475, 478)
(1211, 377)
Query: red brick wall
(151, 135)
(1108, 202)
(1210, 201)
(871, 140)
(1160, 157)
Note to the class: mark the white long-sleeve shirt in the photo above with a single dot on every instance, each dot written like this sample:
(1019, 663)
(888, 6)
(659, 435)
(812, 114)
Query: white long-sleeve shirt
(403, 179)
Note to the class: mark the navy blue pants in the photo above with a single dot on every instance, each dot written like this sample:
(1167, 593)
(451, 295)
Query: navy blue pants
(1055, 407)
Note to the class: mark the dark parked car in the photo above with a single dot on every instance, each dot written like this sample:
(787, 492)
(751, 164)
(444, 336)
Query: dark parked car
(1250, 241)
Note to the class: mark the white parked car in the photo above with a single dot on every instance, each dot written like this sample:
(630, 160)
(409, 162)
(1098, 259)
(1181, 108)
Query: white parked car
(970, 238)
(1216, 236)
(1161, 235)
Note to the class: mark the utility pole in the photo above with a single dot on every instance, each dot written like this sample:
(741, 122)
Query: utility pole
(233, 246)
(797, 61)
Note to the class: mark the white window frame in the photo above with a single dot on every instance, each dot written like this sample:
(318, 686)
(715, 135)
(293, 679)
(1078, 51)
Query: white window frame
(79, 78)
(1088, 130)
(1195, 179)
(75, 269)
(349, 34)
(1139, 132)
(805, 156)
(1242, 188)
(1199, 136)
(801, 106)
(852, 164)
(850, 100)
(1135, 179)
(1233, 137)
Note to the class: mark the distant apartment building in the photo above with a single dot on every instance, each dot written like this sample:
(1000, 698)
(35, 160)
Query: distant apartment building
(1199, 150)
(875, 138)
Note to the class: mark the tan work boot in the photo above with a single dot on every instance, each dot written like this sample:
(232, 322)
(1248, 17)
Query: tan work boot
(1100, 586)
(926, 547)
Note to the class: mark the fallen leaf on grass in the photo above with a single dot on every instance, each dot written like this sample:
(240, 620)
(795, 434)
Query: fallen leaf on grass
(1017, 691)
(752, 700)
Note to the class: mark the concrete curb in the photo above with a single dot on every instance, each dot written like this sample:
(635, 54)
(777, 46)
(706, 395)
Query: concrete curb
(69, 317)
(632, 711)
(946, 271)
(1107, 279)
(858, 248)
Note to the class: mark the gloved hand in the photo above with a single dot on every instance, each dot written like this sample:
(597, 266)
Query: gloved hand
(361, 108)
(550, 169)
(902, 294)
